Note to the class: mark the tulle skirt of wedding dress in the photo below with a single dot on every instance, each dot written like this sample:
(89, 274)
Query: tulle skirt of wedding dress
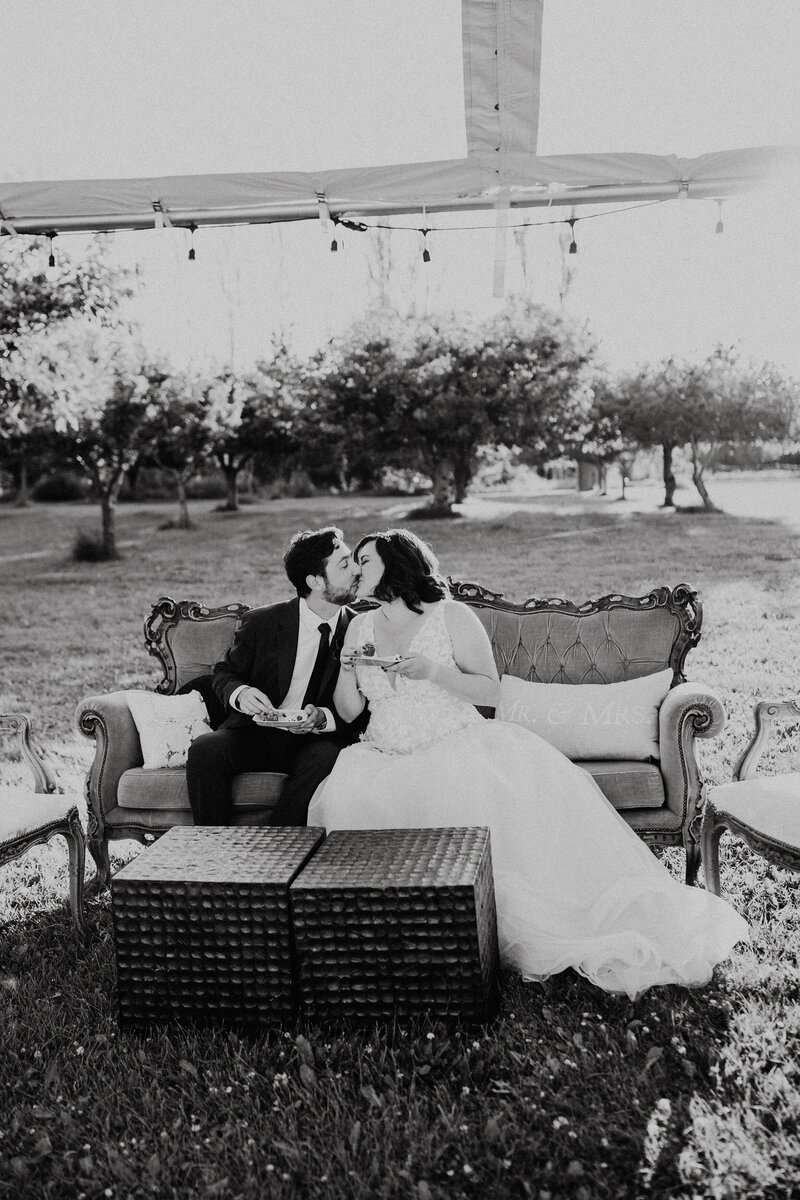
(575, 887)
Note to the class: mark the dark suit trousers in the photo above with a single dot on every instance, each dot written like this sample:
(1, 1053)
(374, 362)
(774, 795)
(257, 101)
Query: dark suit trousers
(215, 758)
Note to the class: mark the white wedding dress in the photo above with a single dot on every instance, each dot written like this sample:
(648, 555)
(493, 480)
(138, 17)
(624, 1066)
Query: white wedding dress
(575, 887)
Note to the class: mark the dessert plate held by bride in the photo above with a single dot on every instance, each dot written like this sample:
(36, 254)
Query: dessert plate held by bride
(367, 657)
(281, 718)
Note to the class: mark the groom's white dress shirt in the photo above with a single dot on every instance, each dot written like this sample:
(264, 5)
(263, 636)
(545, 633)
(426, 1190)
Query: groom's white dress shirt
(307, 647)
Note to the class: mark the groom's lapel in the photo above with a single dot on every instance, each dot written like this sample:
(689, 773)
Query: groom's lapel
(287, 634)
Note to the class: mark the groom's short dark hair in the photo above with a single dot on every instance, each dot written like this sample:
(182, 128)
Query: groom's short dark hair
(308, 553)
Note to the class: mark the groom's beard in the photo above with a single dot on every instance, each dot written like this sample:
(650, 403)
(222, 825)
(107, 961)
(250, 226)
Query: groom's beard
(340, 596)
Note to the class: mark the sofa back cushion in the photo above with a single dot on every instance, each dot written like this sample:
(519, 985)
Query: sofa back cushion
(544, 641)
(602, 647)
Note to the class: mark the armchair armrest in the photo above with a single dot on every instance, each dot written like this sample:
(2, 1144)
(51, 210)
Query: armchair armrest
(767, 713)
(108, 720)
(689, 711)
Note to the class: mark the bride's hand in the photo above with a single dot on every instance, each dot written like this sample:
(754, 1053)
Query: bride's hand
(346, 657)
(413, 666)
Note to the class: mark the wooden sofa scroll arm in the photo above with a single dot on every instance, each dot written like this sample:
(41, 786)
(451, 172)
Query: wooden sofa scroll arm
(689, 711)
(108, 720)
(767, 714)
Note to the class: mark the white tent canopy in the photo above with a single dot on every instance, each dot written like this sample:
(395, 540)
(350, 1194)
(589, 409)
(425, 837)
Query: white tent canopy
(502, 45)
(469, 183)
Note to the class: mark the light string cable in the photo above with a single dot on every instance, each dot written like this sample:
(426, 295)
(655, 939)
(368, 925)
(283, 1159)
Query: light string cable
(364, 226)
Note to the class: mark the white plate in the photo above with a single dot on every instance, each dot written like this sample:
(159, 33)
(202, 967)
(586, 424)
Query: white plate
(281, 719)
(375, 660)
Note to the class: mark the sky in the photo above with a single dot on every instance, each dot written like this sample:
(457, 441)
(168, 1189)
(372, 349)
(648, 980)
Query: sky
(91, 89)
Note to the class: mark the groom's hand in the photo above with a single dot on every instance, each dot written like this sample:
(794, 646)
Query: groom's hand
(252, 701)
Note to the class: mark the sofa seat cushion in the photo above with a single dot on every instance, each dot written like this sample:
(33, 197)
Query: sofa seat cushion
(165, 788)
(627, 784)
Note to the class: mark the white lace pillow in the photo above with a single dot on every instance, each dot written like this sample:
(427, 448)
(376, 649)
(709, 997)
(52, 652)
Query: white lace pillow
(589, 720)
(167, 725)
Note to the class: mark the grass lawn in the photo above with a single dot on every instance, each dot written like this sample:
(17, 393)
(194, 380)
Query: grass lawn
(569, 1092)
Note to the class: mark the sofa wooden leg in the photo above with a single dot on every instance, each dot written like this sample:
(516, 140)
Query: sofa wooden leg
(692, 862)
(77, 868)
(98, 848)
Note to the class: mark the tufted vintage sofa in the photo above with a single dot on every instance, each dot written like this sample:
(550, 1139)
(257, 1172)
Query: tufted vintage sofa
(549, 641)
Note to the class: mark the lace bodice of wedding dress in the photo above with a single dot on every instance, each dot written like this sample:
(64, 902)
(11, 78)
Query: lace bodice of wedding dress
(407, 714)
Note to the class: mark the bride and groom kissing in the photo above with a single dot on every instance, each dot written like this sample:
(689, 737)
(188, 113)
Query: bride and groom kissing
(382, 731)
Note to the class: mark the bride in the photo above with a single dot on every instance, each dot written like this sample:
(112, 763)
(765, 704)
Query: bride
(574, 885)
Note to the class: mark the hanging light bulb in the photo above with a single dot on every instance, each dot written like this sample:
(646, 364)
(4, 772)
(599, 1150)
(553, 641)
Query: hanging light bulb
(334, 243)
(192, 255)
(719, 228)
(51, 272)
(573, 246)
(426, 254)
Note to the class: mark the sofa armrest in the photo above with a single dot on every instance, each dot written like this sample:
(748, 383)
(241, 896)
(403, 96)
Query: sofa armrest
(108, 720)
(689, 711)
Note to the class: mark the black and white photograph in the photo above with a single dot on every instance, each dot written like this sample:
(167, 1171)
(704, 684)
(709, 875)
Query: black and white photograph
(400, 581)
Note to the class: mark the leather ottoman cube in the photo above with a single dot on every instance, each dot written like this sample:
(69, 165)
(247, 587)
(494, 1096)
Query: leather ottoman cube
(397, 922)
(202, 927)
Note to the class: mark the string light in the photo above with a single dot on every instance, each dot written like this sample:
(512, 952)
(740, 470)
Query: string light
(334, 243)
(364, 227)
(192, 255)
(52, 268)
(426, 254)
(719, 228)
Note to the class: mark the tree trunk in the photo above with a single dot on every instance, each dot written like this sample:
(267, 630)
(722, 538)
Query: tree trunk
(462, 476)
(132, 475)
(232, 489)
(587, 475)
(22, 498)
(183, 521)
(625, 468)
(670, 483)
(109, 521)
(442, 487)
(699, 483)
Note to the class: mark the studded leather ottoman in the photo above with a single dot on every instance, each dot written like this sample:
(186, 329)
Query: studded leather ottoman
(397, 922)
(202, 928)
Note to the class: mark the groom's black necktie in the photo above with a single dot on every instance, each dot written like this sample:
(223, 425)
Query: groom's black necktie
(317, 671)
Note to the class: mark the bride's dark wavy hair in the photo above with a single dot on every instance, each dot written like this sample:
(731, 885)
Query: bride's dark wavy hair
(411, 569)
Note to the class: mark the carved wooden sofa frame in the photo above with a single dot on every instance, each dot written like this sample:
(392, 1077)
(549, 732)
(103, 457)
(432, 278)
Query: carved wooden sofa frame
(549, 640)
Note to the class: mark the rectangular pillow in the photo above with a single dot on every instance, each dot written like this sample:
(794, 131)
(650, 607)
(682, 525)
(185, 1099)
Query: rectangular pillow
(589, 720)
(167, 726)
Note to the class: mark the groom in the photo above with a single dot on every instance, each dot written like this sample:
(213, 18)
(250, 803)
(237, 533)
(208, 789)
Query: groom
(283, 656)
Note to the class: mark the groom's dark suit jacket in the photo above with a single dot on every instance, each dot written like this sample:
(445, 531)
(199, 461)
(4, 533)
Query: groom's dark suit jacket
(262, 655)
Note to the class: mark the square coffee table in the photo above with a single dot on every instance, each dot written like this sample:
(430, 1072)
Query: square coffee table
(397, 921)
(202, 927)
